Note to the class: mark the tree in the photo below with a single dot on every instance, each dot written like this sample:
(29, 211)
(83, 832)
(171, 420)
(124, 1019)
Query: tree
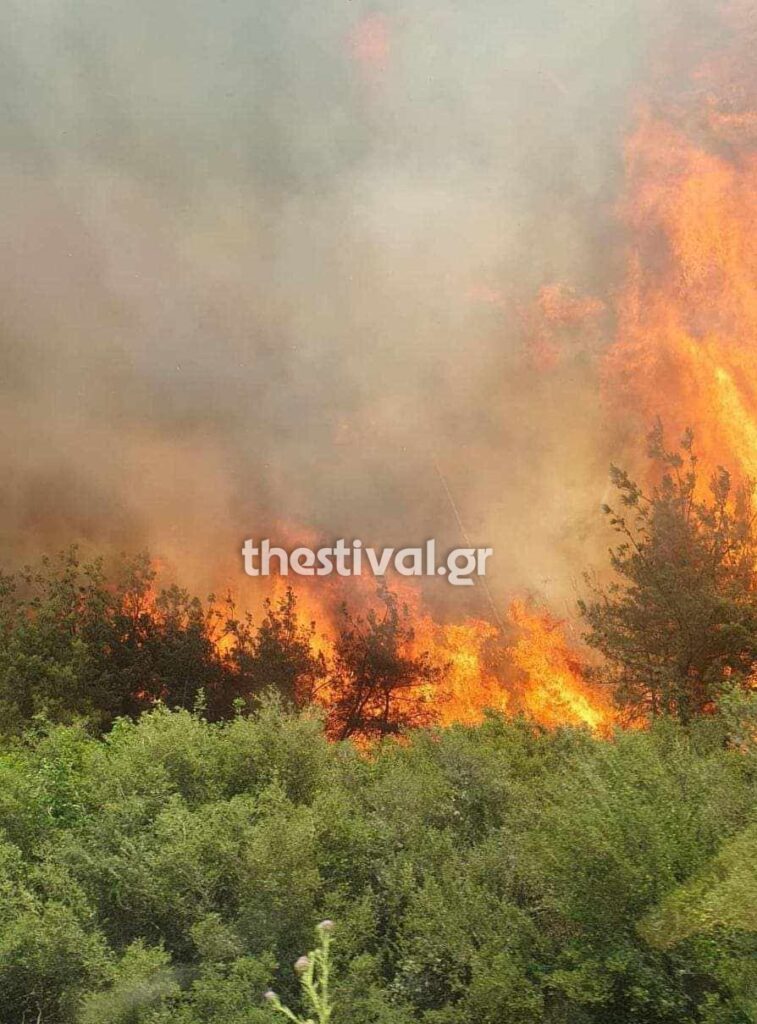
(159, 645)
(278, 654)
(679, 622)
(77, 642)
(378, 685)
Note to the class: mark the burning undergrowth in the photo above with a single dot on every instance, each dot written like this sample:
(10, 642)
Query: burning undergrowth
(194, 363)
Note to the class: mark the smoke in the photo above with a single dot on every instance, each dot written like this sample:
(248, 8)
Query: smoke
(266, 263)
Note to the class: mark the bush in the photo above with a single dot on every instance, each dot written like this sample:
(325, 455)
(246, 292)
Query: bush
(171, 872)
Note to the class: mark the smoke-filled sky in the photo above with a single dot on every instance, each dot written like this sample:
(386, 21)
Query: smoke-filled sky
(264, 264)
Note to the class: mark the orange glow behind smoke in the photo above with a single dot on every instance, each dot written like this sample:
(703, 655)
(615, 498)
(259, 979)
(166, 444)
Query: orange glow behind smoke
(369, 44)
(559, 318)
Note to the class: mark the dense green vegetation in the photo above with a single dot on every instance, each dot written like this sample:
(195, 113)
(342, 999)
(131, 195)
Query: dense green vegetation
(173, 871)
(176, 814)
(78, 639)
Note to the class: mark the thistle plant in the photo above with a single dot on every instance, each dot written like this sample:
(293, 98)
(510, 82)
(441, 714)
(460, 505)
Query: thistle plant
(313, 969)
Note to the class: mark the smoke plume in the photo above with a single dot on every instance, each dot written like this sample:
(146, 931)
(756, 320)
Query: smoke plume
(276, 269)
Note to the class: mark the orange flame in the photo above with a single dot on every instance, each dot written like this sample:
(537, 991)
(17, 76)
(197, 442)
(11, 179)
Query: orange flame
(686, 349)
(464, 652)
(555, 321)
(481, 669)
(687, 320)
(555, 691)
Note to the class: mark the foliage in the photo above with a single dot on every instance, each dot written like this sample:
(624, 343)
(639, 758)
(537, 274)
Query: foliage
(679, 623)
(77, 642)
(165, 840)
(503, 874)
(716, 905)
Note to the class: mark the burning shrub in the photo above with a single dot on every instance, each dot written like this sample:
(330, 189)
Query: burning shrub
(377, 687)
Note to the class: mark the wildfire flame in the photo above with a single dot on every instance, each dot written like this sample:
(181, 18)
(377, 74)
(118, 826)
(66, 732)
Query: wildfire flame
(687, 316)
(481, 667)
(685, 349)
(555, 692)
(464, 651)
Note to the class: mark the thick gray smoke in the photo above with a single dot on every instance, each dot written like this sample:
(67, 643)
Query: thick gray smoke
(265, 262)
